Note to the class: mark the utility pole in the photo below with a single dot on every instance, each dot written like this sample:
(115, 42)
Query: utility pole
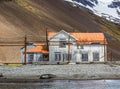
(25, 45)
(105, 56)
(69, 49)
(47, 39)
(111, 56)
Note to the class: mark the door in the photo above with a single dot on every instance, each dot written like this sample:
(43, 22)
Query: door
(57, 56)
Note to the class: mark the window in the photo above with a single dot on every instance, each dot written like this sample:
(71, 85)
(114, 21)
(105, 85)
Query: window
(45, 57)
(79, 46)
(84, 56)
(57, 56)
(39, 57)
(65, 56)
(62, 43)
(95, 56)
(30, 58)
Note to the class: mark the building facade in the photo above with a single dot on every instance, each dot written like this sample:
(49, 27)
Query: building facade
(71, 47)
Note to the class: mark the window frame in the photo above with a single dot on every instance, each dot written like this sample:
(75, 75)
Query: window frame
(57, 53)
(30, 59)
(96, 57)
(83, 56)
(80, 47)
(62, 42)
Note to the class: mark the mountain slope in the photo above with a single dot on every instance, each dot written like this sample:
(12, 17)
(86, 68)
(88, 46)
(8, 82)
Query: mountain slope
(30, 17)
(109, 9)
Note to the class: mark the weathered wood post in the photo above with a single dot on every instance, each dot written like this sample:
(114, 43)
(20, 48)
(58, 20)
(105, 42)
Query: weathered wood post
(105, 51)
(111, 56)
(25, 44)
(63, 58)
(69, 49)
(47, 39)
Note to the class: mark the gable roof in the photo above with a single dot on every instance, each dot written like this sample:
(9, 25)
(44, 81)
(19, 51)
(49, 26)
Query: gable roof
(40, 48)
(85, 38)
(53, 34)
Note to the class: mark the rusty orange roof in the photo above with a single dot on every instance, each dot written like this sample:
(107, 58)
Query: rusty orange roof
(38, 48)
(85, 38)
(50, 34)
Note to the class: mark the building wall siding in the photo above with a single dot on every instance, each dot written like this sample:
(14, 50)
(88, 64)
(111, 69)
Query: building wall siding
(22, 52)
(74, 51)
(54, 46)
(90, 49)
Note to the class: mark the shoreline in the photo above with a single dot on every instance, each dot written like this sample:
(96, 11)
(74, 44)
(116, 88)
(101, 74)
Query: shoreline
(32, 73)
(48, 80)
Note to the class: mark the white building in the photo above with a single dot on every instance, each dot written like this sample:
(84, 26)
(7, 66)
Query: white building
(71, 47)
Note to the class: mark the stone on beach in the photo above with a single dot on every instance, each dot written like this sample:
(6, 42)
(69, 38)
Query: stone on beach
(47, 76)
(1, 75)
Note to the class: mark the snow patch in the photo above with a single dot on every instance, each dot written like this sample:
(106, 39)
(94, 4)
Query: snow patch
(102, 9)
(105, 1)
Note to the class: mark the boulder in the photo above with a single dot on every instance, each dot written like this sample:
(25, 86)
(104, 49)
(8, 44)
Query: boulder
(47, 76)
(1, 75)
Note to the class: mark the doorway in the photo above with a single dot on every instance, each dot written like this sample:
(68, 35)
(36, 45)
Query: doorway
(57, 56)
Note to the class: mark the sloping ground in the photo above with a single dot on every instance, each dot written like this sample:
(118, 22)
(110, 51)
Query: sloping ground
(30, 17)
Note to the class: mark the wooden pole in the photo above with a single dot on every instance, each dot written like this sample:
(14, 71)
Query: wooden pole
(105, 50)
(25, 44)
(47, 39)
(63, 58)
(69, 49)
(111, 56)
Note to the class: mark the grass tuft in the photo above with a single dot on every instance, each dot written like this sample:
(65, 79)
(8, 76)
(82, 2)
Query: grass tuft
(15, 64)
(25, 5)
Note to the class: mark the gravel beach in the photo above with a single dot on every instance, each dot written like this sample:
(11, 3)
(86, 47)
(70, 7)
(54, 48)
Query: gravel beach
(78, 71)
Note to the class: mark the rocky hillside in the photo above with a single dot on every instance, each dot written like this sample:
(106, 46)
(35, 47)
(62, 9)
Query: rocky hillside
(108, 9)
(30, 17)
